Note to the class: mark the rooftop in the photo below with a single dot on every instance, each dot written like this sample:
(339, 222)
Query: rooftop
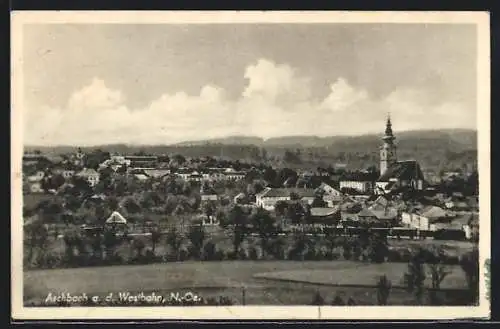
(285, 192)
(403, 170)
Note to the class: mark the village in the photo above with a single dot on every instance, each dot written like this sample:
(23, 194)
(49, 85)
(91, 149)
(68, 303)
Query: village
(198, 189)
(88, 209)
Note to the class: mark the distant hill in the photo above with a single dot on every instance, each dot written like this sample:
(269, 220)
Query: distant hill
(453, 140)
(434, 149)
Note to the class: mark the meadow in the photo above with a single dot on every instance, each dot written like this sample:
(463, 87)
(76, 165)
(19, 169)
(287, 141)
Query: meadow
(245, 282)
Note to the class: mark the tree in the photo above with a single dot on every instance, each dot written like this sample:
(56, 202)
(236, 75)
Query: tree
(292, 157)
(238, 220)
(378, 247)
(174, 241)
(294, 196)
(383, 289)
(280, 208)
(54, 182)
(155, 238)
(295, 212)
(265, 226)
(318, 202)
(318, 299)
(209, 208)
(269, 174)
(138, 246)
(38, 238)
(415, 276)
(338, 301)
(196, 237)
(470, 266)
(131, 206)
(178, 160)
(331, 239)
(438, 272)
(110, 241)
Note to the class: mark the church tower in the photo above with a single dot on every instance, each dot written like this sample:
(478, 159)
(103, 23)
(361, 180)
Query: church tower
(388, 149)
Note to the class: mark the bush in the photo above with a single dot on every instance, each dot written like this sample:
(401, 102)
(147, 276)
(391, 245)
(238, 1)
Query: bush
(351, 301)
(310, 255)
(337, 301)
(209, 251)
(220, 255)
(253, 253)
(242, 254)
(383, 290)
(393, 256)
(347, 253)
(317, 299)
(183, 255)
(47, 260)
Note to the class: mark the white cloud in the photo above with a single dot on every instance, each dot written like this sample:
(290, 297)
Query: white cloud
(275, 102)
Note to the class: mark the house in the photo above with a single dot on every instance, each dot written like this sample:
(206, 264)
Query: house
(386, 215)
(116, 219)
(68, 173)
(380, 201)
(156, 173)
(209, 221)
(209, 197)
(456, 205)
(361, 182)
(268, 198)
(231, 174)
(240, 198)
(36, 187)
(36, 177)
(78, 158)
(325, 214)
(141, 177)
(189, 175)
(90, 175)
(401, 174)
(423, 219)
(461, 222)
(330, 191)
(141, 161)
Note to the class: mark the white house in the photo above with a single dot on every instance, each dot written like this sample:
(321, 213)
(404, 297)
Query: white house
(38, 176)
(362, 182)
(90, 175)
(268, 198)
(423, 219)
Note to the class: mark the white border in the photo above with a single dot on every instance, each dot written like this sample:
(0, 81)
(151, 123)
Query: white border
(18, 19)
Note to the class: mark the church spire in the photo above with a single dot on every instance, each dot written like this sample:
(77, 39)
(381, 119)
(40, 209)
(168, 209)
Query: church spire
(389, 136)
(388, 149)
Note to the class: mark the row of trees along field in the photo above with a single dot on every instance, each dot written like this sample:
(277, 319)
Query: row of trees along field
(108, 248)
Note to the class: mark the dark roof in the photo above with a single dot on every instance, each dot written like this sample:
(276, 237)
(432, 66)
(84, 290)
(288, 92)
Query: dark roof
(365, 212)
(403, 170)
(323, 212)
(359, 176)
(285, 192)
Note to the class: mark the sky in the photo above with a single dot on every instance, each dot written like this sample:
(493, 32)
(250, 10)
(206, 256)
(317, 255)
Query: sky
(94, 84)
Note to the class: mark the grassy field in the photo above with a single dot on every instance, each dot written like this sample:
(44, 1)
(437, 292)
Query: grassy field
(264, 282)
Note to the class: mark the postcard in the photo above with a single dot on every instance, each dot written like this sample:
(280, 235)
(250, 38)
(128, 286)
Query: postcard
(250, 165)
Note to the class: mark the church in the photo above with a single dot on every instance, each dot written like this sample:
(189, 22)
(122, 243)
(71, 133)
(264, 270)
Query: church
(394, 173)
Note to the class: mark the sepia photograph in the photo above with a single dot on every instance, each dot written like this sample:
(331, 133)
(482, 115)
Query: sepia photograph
(250, 165)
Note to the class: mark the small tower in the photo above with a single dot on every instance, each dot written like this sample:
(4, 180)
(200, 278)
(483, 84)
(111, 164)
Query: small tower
(388, 149)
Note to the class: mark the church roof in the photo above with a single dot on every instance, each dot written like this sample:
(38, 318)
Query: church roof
(403, 170)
